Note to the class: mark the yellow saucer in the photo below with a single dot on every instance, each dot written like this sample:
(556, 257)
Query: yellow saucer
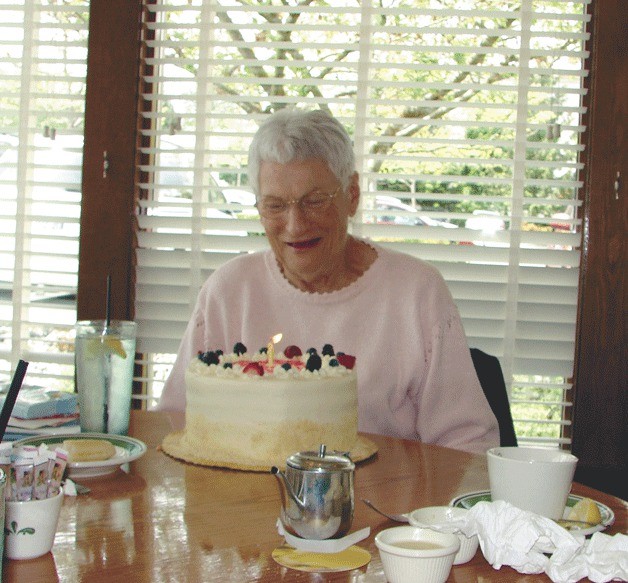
(351, 558)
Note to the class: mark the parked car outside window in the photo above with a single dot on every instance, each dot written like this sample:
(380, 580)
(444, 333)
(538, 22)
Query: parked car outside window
(410, 215)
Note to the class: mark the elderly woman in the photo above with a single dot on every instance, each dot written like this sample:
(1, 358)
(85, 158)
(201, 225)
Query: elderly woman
(317, 284)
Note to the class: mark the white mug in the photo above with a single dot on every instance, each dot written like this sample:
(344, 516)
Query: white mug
(532, 478)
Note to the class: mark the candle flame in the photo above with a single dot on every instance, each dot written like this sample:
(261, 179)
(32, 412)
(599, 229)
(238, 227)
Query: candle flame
(277, 337)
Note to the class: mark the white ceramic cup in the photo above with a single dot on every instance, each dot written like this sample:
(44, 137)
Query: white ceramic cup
(416, 565)
(532, 478)
(30, 526)
(443, 519)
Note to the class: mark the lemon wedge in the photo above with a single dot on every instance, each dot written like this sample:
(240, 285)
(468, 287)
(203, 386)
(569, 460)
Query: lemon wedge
(585, 510)
(106, 345)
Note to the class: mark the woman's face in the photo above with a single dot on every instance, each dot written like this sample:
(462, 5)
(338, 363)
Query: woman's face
(310, 247)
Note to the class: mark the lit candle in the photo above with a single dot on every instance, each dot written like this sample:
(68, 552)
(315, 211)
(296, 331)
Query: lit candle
(270, 349)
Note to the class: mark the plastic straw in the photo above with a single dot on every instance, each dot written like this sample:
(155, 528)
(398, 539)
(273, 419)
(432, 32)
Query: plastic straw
(9, 402)
(108, 304)
(107, 363)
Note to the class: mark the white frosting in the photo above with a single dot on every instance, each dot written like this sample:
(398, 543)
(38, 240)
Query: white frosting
(198, 367)
(261, 420)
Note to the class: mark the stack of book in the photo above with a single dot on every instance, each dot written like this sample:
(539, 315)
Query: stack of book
(41, 411)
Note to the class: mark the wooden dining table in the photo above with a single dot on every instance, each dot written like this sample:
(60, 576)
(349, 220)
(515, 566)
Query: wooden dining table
(161, 520)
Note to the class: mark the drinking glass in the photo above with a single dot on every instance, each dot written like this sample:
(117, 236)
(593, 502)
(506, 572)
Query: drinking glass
(104, 359)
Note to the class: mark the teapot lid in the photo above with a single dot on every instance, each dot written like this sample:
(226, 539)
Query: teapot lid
(320, 460)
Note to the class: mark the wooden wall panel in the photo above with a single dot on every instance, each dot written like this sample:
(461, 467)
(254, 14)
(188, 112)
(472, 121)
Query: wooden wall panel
(110, 126)
(600, 416)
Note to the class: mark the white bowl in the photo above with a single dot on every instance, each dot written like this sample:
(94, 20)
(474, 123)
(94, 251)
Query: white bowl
(416, 565)
(442, 517)
(532, 478)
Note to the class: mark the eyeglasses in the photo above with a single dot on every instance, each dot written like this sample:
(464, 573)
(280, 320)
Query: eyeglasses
(273, 207)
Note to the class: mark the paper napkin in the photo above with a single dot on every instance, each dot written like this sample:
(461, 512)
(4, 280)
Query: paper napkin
(515, 537)
(530, 543)
(602, 558)
(335, 545)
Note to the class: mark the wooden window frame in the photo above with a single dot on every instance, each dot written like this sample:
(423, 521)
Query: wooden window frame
(599, 431)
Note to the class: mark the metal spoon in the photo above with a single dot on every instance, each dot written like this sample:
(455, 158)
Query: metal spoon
(80, 489)
(395, 517)
(565, 523)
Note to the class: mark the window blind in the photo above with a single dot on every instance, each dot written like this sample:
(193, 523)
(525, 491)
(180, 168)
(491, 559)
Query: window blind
(467, 121)
(42, 91)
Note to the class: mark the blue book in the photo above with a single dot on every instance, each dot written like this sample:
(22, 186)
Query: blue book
(15, 434)
(34, 402)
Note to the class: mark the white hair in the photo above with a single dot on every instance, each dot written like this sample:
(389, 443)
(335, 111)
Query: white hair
(291, 134)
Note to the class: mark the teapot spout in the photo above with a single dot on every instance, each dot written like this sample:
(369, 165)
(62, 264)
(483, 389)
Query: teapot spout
(286, 489)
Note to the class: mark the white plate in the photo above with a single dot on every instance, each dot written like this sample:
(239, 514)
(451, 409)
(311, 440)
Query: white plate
(127, 450)
(608, 516)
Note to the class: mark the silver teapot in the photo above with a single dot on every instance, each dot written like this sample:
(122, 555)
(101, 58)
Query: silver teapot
(317, 494)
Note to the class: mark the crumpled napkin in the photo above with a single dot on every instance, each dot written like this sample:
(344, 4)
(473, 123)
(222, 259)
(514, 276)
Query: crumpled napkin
(530, 543)
(515, 537)
(601, 558)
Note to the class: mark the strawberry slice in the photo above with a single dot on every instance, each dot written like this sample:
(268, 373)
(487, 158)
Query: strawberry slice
(346, 360)
(253, 368)
(292, 351)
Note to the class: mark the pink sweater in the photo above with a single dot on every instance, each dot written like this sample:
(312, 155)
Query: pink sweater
(415, 375)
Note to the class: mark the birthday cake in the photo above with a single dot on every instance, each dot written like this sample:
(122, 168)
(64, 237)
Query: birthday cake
(253, 410)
